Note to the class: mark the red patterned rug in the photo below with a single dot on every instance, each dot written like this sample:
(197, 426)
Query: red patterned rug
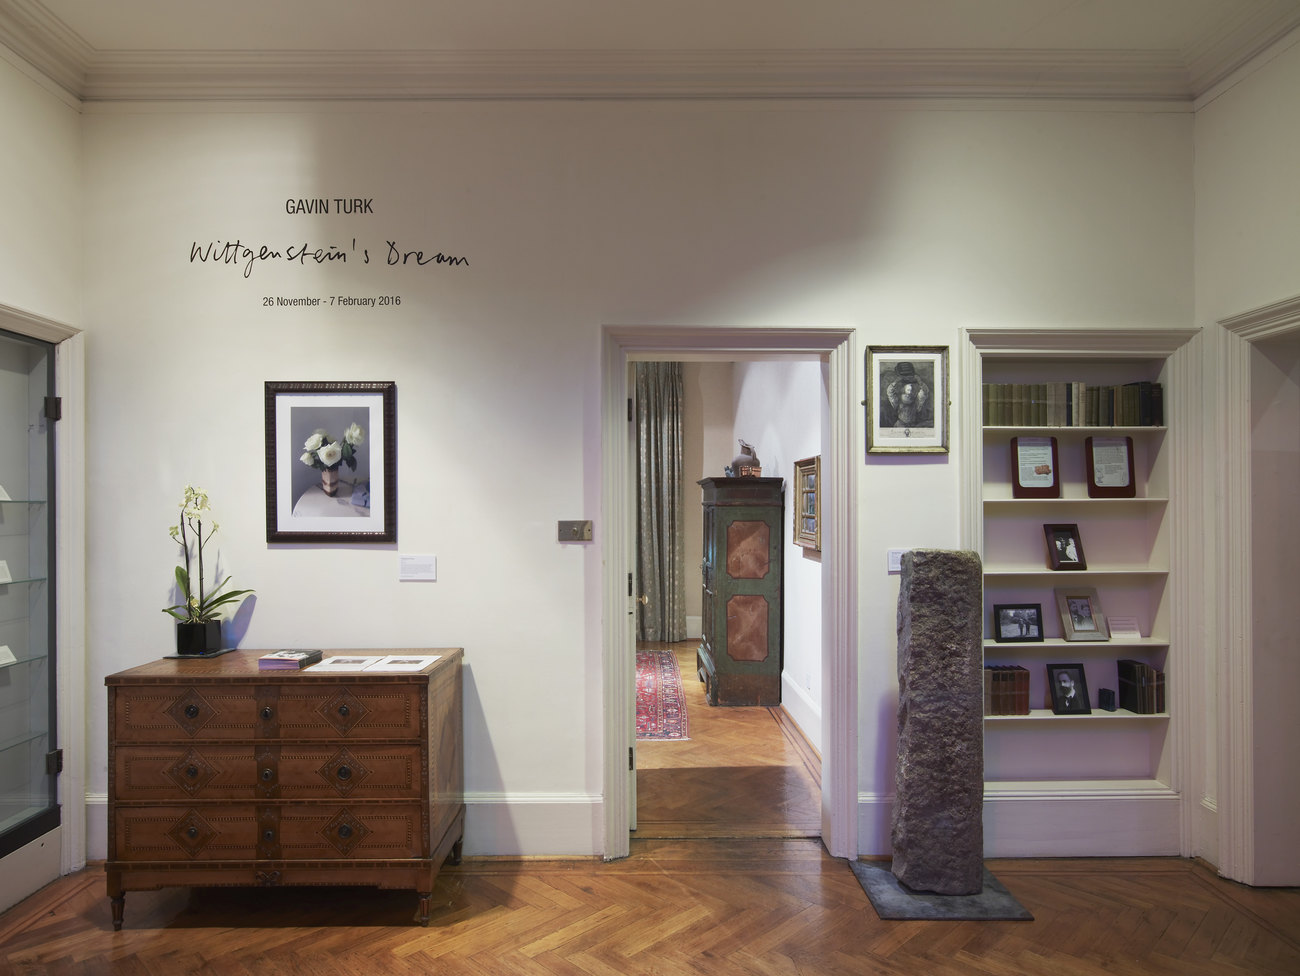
(660, 703)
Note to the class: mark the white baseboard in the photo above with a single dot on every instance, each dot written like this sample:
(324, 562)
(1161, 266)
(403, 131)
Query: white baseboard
(1067, 823)
(803, 711)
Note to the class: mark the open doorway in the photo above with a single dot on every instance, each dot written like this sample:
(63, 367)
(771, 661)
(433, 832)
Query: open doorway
(837, 348)
(750, 767)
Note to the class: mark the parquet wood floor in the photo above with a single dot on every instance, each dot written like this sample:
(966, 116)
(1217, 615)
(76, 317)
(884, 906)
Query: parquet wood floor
(698, 905)
(744, 772)
(748, 907)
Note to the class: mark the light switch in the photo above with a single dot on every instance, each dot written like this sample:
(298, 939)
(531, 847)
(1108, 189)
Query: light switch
(575, 531)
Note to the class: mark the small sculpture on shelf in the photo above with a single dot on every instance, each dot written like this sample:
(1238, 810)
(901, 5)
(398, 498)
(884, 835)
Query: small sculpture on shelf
(745, 464)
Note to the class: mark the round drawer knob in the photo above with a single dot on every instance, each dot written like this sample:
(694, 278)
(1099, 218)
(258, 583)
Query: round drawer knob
(192, 771)
(267, 712)
(267, 775)
(345, 831)
(192, 832)
(344, 772)
(268, 835)
(345, 711)
(191, 711)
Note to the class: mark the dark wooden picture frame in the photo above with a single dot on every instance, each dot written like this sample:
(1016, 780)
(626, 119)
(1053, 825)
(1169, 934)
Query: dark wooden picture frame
(1064, 546)
(1017, 623)
(1035, 468)
(1109, 461)
(807, 503)
(1068, 686)
(358, 422)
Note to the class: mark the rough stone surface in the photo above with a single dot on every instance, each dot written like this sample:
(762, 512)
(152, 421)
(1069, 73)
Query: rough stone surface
(938, 821)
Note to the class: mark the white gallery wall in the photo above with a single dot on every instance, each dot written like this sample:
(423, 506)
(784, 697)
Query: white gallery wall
(41, 253)
(901, 221)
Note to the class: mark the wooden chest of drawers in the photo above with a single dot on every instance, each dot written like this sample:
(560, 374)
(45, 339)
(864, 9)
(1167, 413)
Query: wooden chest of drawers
(221, 774)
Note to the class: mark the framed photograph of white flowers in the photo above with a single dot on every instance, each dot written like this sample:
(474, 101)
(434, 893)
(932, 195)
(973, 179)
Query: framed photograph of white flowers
(331, 462)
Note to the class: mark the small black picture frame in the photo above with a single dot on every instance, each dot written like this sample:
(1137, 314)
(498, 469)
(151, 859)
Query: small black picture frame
(331, 462)
(1069, 689)
(1064, 546)
(1017, 623)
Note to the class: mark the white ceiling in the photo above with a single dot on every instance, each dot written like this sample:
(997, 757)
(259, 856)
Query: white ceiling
(1148, 49)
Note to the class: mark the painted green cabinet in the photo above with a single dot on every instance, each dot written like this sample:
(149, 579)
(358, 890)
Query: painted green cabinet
(740, 654)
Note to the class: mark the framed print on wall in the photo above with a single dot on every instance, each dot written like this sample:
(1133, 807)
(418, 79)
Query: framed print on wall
(807, 503)
(331, 462)
(907, 400)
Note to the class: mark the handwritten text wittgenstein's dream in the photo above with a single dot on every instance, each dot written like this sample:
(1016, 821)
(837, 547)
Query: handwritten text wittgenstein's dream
(238, 252)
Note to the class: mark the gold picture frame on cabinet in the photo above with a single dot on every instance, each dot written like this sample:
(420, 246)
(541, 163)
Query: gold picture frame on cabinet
(807, 503)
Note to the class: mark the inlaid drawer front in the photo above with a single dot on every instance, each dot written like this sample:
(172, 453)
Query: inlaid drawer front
(242, 832)
(246, 772)
(163, 713)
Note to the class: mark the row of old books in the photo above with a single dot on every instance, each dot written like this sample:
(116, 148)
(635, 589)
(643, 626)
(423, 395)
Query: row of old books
(1006, 690)
(1069, 404)
(1141, 688)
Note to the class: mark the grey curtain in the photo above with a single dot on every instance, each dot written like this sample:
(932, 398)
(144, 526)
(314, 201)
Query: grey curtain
(662, 617)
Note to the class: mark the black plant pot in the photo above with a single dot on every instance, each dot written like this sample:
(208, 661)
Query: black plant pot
(201, 638)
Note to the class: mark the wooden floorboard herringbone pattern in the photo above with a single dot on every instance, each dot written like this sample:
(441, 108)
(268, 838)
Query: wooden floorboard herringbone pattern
(726, 878)
(746, 907)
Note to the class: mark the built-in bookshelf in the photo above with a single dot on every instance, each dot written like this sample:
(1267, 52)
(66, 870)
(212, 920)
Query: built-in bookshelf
(1104, 781)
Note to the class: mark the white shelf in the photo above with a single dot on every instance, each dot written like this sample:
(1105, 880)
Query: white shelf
(1084, 431)
(1096, 715)
(1071, 501)
(1058, 643)
(1066, 575)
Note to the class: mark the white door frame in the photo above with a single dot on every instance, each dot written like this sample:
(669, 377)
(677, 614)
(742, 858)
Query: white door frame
(1236, 745)
(839, 559)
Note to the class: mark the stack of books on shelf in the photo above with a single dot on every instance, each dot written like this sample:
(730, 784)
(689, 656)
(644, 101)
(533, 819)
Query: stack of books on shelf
(1141, 688)
(1006, 690)
(287, 660)
(1062, 404)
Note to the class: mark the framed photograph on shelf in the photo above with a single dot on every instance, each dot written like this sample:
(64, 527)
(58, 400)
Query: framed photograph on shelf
(1017, 622)
(1034, 468)
(331, 462)
(1069, 689)
(1110, 467)
(807, 503)
(1081, 615)
(1064, 547)
(907, 400)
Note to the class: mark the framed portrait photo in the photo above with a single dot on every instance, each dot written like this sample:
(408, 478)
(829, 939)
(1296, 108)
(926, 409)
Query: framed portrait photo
(331, 462)
(1017, 622)
(1081, 615)
(1064, 547)
(1069, 689)
(907, 400)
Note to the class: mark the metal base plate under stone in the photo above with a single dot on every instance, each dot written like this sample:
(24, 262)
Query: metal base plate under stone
(892, 900)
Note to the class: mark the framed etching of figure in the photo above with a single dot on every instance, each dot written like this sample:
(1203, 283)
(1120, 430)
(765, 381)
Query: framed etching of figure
(907, 400)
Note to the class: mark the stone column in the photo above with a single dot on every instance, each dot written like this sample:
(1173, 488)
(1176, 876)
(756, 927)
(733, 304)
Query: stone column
(938, 822)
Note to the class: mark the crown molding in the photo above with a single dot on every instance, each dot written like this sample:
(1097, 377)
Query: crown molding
(53, 49)
(335, 75)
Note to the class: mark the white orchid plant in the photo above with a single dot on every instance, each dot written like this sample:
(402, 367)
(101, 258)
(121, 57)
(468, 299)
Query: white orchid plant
(200, 606)
(324, 453)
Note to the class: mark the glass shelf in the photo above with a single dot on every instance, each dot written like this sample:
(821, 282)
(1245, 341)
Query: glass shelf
(23, 660)
(21, 740)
